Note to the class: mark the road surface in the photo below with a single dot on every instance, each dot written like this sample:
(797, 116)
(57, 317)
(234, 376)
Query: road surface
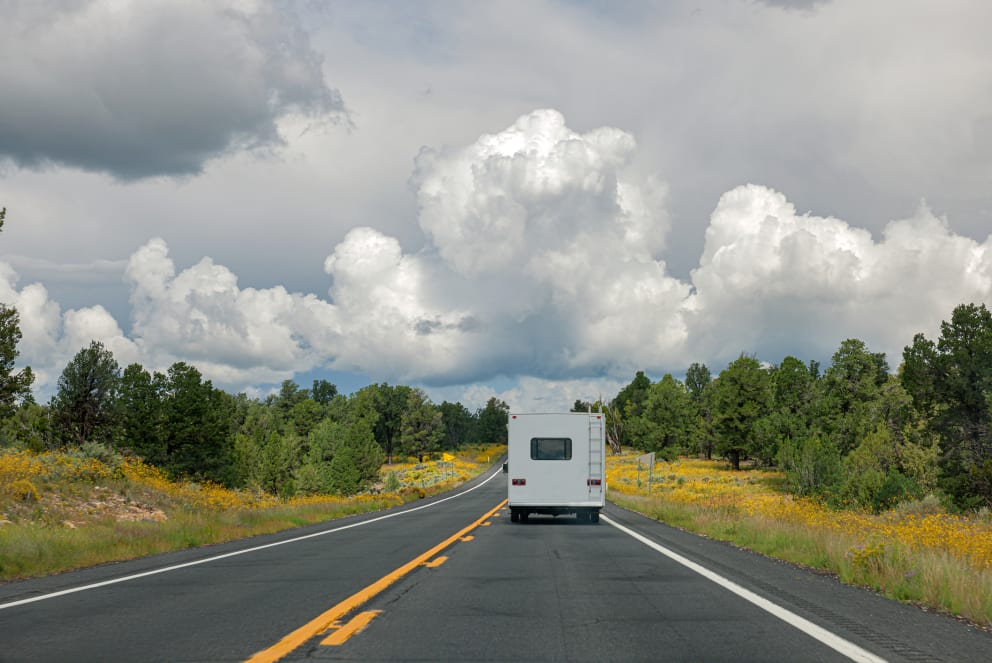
(452, 579)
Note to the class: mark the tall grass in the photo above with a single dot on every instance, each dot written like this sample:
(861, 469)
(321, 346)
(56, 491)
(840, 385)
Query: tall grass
(936, 559)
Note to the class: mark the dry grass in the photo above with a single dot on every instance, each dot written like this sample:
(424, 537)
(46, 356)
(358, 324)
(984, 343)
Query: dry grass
(926, 556)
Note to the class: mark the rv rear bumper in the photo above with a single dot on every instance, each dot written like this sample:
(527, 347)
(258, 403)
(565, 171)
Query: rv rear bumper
(555, 509)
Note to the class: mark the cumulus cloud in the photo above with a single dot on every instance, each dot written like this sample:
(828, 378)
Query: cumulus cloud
(540, 237)
(516, 194)
(149, 88)
(390, 323)
(553, 244)
(774, 282)
(541, 265)
(50, 338)
(234, 335)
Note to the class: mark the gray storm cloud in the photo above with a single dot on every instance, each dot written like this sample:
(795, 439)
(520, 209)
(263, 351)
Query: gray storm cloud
(541, 259)
(139, 89)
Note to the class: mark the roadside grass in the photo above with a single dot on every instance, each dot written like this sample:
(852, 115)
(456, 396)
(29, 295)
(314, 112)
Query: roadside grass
(63, 511)
(915, 552)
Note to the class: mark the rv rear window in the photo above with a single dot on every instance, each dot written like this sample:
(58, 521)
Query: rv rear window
(550, 448)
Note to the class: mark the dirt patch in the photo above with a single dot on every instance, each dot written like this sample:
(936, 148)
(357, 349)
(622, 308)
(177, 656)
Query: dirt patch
(101, 504)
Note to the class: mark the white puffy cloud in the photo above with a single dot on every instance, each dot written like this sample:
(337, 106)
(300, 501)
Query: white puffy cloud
(541, 266)
(390, 323)
(81, 326)
(515, 195)
(40, 322)
(49, 337)
(554, 246)
(540, 237)
(774, 282)
(234, 335)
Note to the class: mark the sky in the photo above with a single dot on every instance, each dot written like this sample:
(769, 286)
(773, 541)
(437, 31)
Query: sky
(528, 200)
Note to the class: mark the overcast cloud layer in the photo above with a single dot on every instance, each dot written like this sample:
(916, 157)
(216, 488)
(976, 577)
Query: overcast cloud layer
(535, 220)
(152, 87)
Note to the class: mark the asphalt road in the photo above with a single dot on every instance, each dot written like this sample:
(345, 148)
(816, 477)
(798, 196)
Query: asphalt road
(443, 581)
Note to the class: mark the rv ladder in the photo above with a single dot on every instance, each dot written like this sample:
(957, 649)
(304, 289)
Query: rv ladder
(595, 450)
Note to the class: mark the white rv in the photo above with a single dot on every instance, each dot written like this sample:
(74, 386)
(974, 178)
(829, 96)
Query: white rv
(555, 465)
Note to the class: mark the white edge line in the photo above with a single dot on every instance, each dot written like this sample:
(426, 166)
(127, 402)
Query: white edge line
(835, 642)
(114, 581)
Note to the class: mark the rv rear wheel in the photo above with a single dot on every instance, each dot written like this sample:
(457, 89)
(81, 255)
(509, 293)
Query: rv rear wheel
(514, 516)
(594, 516)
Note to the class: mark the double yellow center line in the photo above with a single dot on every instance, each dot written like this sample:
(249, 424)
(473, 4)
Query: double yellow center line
(332, 617)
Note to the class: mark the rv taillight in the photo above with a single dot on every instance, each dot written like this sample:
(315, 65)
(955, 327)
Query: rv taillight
(519, 482)
(595, 482)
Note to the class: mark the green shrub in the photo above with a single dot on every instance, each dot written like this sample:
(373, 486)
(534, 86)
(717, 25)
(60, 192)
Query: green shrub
(312, 479)
(927, 505)
(98, 451)
(896, 488)
(812, 465)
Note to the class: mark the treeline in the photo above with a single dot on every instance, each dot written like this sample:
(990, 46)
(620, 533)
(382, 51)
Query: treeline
(297, 441)
(853, 433)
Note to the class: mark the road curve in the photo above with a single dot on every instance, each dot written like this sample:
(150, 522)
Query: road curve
(443, 581)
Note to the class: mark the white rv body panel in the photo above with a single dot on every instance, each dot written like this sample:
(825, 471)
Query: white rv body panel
(556, 464)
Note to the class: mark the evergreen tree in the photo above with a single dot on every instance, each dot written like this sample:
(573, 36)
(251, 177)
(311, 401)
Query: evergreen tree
(15, 387)
(304, 416)
(383, 406)
(28, 428)
(198, 426)
(422, 426)
(698, 381)
(628, 404)
(366, 454)
(139, 414)
(289, 396)
(852, 385)
(742, 396)
(492, 421)
(262, 459)
(666, 420)
(793, 393)
(458, 423)
(84, 405)
(323, 391)
(951, 381)
(697, 378)
(342, 459)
